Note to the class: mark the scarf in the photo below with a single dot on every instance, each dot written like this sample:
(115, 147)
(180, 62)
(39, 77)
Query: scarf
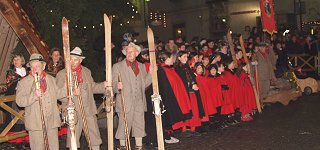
(134, 66)
(78, 71)
(43, 82)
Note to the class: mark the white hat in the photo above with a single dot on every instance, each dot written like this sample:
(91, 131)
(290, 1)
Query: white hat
(77, 52)
(131, 45)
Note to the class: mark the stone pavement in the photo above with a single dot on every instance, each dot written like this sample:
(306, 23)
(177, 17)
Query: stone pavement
(292, 127)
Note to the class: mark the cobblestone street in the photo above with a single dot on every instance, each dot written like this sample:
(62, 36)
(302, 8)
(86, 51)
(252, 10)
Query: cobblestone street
(292, 127)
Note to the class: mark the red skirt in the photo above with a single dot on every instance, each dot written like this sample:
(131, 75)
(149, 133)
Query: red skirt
(226, 107)
(195, 121)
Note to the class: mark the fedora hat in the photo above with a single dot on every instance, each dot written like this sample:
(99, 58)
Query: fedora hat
(77, 52)
(35, 57)
(131, 45)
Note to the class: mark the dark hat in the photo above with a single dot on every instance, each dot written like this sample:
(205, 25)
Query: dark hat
(211, 66)
(144, 51)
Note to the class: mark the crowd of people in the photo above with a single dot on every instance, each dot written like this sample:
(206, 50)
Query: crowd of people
(202, 86)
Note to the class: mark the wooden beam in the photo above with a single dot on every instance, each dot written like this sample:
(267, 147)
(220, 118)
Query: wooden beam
(13, 136)
(23, 27)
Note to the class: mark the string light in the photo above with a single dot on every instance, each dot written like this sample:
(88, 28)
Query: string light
(114, 16)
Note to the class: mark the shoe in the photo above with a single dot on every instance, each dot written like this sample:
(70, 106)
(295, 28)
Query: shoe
(153, 146)
(197, 134)
(122, 148)
(172, 140)
(187, 134)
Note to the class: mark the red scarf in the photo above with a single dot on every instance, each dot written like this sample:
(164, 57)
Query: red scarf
(134, 66)
(78, 71)
(43, 82)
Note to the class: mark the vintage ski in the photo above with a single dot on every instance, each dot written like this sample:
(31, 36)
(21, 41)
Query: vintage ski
(156, 99)
(254, 84)
(233, 53)
(71, 118)
(109, 93)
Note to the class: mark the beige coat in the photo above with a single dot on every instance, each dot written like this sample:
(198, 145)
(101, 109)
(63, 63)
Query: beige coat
(129, 86)
(25, 97)
(88, 88)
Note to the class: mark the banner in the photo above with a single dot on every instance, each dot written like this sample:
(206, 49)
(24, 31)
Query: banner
(267, 16)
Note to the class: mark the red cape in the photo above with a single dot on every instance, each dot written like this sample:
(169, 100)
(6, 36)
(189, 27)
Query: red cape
(179, 91)
(206, 96)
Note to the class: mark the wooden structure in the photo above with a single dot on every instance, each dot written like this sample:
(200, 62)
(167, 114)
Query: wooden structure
(18, 115)
(305, 62)
(14, 24)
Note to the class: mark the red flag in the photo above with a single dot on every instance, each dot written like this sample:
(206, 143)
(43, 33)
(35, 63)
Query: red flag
(267, 15)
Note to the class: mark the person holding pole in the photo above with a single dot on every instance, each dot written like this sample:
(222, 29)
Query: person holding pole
(135, 79)
(40, 124)
(87, 120)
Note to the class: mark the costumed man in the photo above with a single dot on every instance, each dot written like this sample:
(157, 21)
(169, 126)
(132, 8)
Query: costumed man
(28, 96)
(135, 79)
(87, 88)
(265, 70)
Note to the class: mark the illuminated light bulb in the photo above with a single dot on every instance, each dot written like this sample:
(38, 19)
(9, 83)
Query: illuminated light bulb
(52, 25)
(128, 22)
(51, 11)
(132, 17)
(120, 24)
(84, 27)
(76, 26)
(93, 27)
(100, 24)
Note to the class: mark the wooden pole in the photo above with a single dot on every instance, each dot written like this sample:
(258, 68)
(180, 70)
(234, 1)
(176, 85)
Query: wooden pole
(43, 123)
(71, 112)
(124, 112)
(109, 93)
(233, 53)
(13, 136)
(155, 97)
(254, 85)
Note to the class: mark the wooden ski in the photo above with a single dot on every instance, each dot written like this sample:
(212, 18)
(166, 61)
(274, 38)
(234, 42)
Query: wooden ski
(256, 94)
(233, 53)
(109, 93)
(156, 99)
(71, 118)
